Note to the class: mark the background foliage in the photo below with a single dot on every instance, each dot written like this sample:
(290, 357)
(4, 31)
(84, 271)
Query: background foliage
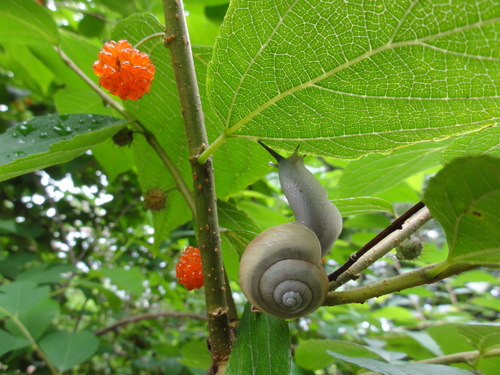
(78, 278)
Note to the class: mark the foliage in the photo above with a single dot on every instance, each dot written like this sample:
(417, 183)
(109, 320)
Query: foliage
(394, 102)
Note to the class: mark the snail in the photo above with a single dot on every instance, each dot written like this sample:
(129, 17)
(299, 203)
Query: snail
(280, 270)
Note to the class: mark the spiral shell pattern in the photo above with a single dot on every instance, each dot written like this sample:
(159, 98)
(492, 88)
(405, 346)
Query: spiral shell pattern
(281, 273)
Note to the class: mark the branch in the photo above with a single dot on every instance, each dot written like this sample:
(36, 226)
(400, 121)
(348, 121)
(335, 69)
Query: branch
(395, 225)
(383, 246)
(137, 318)
(177, 40)
(397, 283)
(151, 139)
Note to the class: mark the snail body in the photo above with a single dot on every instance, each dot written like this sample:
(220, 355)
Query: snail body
(280, 270)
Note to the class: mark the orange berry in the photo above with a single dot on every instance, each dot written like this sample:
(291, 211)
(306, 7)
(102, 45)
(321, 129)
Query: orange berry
(123, 70)
(189, 269)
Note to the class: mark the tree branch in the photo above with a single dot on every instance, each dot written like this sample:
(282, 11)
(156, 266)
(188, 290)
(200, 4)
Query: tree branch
(137, 318)
(383, 247)
(397, 283)
(177, 40)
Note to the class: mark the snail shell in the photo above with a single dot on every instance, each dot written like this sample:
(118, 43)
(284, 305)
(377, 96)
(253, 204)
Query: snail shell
(281, 273)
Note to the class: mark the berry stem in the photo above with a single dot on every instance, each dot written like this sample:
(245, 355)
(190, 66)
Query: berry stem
(148, 38)
(153, 142)
(177, 40)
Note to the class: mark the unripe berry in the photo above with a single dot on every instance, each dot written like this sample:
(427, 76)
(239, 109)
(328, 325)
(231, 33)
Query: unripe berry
(155, 199)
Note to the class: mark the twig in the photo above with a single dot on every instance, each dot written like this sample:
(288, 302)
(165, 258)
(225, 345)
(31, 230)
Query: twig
(137, 318)
(384, 245)
(397, 283)
(395, 225)
(177, 40)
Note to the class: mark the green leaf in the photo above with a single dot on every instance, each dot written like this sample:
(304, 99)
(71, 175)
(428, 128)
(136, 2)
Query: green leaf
(488, 301)
(405, 369)
(195, 354)
(36, 319)
(396, 313)
(312, 354)
(19, 296)
(375, 173)
(464, 197)
(47, 140)
(424, 339)
(26, 22)
(362, 205)
(9, 342)
(46, 273)
(486, 141)
(127, 279)
(66, 349)
(262, 346)
(346, 80)
(483, 337)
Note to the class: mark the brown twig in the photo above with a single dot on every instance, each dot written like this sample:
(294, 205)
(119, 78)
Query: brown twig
(395, 225)
(137, 318)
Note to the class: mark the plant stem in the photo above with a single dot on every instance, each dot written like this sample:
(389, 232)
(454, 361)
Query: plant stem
(30, 338)
(148, 38)
(177, 40)
(211, 149)
(383, 247)
(151, 139)
(395, 284)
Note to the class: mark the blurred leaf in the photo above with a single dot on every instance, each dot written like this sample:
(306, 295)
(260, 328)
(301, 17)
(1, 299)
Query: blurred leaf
(26, 22)
(19, 296)
(313, 355)
(130, 280)
(488, 302)
(346, 80)
(362, 205)
(9, 342)
(66, 349)
(483, 337)
(448, 338)
(486, 141)
(398, 314)
(47, 140)
(262, 346)
(375, 173)
(195, 354)
(464, 197)
(404, 369)
(91, 26)
(36, 319)
(46, 273)
(424, 339)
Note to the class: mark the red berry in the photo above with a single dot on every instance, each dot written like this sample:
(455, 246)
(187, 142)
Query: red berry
(123, 70)
(189, 270)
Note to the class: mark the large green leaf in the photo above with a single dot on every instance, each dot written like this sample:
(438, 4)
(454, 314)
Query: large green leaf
(486, 141)
(404, 369)
(26, 22)
(346, 79)
(67, 349)
(375, 173)
(10, 342)
(47, 140)
(36, 319)
(464, 197)
(262, 346)
(19, 296)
